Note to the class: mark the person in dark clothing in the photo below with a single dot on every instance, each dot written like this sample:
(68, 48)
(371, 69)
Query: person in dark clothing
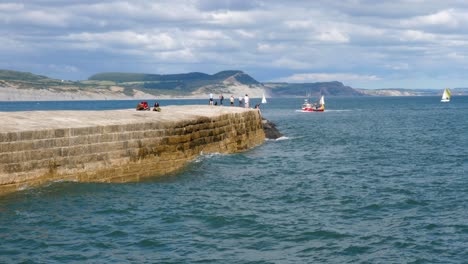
(156, 107)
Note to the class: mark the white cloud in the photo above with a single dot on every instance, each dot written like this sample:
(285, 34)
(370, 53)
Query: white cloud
(334, 35)
(299, 24)
(271, 37)
(416, 35)
(272, 48)
(290, 64)
(327, 77)
(447, 18)
(456, 56)
(245, 33)
(183, 55)
(398, 66)
(40, 18)
(206, 34)
(154, 41)
(11, 7)
(230, 18)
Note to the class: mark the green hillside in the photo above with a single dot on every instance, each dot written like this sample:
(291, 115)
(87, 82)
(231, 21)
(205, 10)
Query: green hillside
(173, 84)
(310, 89)
(187, 82)
(24, 76)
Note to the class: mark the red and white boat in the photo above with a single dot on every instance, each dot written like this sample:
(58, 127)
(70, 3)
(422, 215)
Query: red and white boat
(309, 107)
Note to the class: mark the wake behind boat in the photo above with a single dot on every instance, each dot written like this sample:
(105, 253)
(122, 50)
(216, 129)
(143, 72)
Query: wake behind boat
(315, 107)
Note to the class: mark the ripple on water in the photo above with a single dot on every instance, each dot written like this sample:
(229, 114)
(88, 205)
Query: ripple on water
(368, 186)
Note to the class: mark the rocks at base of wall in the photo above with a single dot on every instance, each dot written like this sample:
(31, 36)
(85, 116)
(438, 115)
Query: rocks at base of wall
(271, 132)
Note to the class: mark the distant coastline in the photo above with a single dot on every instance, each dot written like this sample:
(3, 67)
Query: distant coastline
(23, 86)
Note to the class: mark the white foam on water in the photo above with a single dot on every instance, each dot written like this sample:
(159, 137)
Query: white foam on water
(204, 156)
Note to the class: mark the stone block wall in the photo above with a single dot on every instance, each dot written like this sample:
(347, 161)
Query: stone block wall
(120, 153)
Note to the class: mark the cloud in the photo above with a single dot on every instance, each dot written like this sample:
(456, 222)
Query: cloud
(327, 77)
(290, 63)
(11, 7)
(447, 18)
(333, 35)
(125, 39)
(230, 18)
(214, 5)
(298, 39)
(398, 66)
(416, 35)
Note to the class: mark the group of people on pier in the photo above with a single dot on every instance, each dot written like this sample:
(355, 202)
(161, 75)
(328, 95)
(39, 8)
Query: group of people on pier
(244, 101)
(143, 106)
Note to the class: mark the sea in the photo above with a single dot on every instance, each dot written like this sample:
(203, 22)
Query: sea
(370, 180)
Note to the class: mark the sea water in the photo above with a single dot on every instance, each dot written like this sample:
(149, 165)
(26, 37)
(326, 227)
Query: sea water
(370, 180)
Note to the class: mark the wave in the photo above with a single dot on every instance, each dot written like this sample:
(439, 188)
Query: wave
(326, 111)
(277, 139)
(204, 156)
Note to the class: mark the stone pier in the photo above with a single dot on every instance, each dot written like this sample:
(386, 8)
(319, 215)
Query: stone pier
(117, 145)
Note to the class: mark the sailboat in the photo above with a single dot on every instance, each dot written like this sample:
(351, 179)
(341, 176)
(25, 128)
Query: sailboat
(308, 107)
(446, 96)
(264, 101)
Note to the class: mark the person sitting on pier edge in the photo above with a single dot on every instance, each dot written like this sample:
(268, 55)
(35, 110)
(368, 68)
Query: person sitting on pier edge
(142, 106)
(156, 107)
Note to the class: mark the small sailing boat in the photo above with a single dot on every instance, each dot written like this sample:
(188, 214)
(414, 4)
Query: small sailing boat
(446, 96)
(264, 101)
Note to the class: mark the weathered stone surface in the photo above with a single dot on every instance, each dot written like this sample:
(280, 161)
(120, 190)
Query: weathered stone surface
(271, 132)
(119, 145)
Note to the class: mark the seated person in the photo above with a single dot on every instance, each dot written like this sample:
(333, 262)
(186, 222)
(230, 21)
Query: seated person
(142, 106)
(156, 107)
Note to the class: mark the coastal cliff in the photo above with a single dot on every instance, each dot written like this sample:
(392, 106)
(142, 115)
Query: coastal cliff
(118, 145)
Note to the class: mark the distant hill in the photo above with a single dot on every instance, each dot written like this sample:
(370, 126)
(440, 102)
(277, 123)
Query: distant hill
(17, 86)
(114, 86)
(310, 89)
(188, 82)
(459, 91)
(396, 92)
(410, 92)
(24, 76)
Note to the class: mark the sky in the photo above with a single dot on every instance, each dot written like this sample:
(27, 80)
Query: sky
(362, 43)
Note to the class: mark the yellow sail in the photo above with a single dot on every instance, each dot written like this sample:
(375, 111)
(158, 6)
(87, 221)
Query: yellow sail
(446, 96)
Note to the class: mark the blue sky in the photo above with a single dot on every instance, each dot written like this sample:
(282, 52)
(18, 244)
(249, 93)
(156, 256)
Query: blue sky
(362, 43)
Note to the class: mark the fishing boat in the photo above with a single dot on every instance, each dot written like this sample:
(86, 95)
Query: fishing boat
(264, 101)
(309, 107)
(446, 96)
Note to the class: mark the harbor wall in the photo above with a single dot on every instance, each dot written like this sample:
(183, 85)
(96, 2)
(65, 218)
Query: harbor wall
(117, 150)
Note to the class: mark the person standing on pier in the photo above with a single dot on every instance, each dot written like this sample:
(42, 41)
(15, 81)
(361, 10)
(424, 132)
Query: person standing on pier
(246, 101)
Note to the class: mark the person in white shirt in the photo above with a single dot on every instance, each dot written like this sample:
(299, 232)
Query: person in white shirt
(246, 101)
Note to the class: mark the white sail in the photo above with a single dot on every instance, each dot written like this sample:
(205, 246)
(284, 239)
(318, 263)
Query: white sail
(446, 96)
(322, 100)
(264, 101)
